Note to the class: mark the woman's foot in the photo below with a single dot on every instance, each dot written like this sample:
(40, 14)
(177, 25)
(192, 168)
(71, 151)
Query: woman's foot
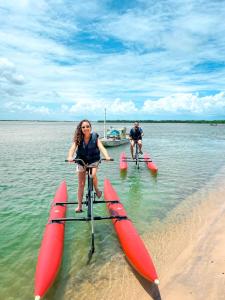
(99, 194)
(78, 210)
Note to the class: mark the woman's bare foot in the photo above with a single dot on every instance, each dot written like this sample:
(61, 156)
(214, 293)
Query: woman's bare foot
(99, 194)
(78, 210)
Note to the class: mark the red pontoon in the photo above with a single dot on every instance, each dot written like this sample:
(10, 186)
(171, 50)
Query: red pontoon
(51, 250)
(130, 241)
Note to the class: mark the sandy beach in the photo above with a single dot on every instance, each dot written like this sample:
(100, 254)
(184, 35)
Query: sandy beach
(188, 253)
(199, 270)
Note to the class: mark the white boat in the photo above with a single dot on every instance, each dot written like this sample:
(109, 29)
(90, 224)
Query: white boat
(114, 137)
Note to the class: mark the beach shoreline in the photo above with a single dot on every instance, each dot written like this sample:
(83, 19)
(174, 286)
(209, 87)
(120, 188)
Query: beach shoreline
(199, 270)
(188, 254)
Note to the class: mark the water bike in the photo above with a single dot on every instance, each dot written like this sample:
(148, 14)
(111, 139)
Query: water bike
(51, 250)
(137, 160)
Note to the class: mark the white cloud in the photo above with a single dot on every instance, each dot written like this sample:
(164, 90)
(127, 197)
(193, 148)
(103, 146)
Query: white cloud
(84, 56)
(176, 106)
(186, 103)
(27, 108)
(8, 72)
(84, 105)
(11, 81)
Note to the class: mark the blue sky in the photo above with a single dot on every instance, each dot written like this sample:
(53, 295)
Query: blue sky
(68, 60)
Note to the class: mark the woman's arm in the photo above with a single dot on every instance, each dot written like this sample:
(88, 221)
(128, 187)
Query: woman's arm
(103, 150)
(71, 152)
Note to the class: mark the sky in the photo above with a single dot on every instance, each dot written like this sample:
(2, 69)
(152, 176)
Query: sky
(144, 59)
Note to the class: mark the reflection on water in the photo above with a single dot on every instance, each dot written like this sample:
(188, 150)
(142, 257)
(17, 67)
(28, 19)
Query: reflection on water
(123, 174)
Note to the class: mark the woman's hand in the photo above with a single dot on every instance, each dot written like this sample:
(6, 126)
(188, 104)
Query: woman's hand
(70, 159)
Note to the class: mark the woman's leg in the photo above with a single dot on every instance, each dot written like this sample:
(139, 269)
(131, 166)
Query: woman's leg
(80, 191)
(95, 182)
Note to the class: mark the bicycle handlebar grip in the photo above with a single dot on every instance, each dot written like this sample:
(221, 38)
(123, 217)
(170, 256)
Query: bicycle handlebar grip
(111, 159)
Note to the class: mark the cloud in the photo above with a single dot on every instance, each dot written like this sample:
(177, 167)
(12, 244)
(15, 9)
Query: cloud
(188, 104)
(90, 106)
(85, 56)
(8, 72)
(177, 104)
(174, 106)
(26, 108)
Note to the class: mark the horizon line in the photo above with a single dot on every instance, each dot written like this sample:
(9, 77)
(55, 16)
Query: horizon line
(123, 120)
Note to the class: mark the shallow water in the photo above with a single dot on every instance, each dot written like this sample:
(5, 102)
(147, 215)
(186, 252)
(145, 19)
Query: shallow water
(32, 166)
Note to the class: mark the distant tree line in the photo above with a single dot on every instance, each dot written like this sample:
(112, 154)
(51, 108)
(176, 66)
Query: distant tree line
(167, 121)
(214, 122)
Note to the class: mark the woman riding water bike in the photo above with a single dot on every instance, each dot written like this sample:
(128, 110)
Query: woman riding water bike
(87, 146)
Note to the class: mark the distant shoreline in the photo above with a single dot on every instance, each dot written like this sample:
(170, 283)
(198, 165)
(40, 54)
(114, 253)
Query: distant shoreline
(214, 122)
(167, 121)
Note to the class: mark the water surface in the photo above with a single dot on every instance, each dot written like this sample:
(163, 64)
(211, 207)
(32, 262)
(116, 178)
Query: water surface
(32, 166)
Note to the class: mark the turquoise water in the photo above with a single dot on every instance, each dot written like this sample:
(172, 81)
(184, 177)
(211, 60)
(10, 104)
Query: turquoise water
(32, 166)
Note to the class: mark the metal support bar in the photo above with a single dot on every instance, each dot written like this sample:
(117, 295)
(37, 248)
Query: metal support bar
(85, 202)
(106, 201)
(97, 218)
(61, 203)
(134, 160)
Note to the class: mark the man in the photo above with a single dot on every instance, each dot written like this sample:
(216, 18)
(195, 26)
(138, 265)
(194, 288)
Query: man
(136, 134)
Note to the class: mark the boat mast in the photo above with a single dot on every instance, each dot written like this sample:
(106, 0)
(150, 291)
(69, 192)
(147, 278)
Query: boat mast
(105, 125)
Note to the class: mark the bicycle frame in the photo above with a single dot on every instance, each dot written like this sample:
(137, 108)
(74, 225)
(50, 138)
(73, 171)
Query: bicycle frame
(136, 155)
(90, 192)
(90, 200)
(137, 159)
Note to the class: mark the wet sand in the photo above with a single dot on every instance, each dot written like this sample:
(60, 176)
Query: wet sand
(188, 251)
(199, 270)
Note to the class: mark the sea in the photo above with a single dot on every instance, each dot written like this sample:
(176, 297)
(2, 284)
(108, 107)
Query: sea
(190, 161)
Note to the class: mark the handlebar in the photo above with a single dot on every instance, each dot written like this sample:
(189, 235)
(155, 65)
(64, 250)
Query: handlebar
(111, 159)
(76, 160)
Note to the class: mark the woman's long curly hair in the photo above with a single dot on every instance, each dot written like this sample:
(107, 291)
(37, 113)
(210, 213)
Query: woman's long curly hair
(78, 135)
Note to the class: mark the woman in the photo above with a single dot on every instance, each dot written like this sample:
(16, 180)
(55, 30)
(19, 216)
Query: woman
(87, 146)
